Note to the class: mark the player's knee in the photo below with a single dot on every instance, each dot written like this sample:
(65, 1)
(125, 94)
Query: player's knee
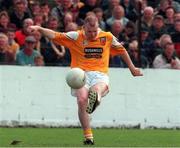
(82, 100)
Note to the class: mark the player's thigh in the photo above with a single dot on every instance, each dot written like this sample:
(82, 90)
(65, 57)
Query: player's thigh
(82, 93)
(101, 87)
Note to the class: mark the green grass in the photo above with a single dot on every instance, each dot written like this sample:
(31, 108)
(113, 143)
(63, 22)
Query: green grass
(72, 137)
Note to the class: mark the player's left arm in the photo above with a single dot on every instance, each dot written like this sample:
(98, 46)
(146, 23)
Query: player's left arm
(118, 48)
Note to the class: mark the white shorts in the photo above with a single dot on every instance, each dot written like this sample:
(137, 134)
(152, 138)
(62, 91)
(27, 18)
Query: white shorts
(92, 78)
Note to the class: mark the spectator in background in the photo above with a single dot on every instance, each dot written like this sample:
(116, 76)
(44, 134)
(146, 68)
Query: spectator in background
(62, 6)
(129, 10)
(5, 23)
(71, 27)
(169, 20)
(68, 18)
(117, 28)
(133, 52)
(38, 19)
(168, 58)
(147, 17)
(19, 13)
(176, 37)
(99, 14)
(37, 35)
(128, 33)
(24, 32)
(77, 5)
(158, 29)
(111, 5)
(89, 6)
(52, 53)
(13, 45)
(35, 8)
(163, 5)
(39, 60)
(177, 16)
(45, 11)
(175, 4)
(6, 57)
(117, 14)
(27, 55)
(148, 49)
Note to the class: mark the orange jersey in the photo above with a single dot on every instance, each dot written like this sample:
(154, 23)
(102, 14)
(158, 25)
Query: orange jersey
(90, 55)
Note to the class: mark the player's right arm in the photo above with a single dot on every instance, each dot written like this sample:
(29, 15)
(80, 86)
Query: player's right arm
(44, 31)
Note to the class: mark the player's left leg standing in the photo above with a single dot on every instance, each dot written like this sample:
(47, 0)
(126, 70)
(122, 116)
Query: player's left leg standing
(82, 99)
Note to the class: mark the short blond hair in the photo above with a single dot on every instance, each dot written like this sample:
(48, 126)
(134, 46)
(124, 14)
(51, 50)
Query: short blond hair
(91, 20)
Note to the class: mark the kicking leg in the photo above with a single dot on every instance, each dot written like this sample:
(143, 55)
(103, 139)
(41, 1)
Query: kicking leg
(94, 96)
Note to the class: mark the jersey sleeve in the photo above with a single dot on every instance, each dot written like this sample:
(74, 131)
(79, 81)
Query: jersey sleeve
(65, 39)
(116, 47)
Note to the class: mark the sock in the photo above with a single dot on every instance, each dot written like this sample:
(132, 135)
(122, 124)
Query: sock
(88, 133)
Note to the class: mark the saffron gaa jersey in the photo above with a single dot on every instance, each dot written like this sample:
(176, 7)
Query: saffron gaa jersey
(90, 55)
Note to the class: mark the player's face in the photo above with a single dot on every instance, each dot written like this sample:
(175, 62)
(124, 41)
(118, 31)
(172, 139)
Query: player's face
(91, 31)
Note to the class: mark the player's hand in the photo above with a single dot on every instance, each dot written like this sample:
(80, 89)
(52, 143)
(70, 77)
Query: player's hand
(33, 28)
(136, 72)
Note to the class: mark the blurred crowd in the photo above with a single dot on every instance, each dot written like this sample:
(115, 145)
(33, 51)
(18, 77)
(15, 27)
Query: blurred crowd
(148, 29)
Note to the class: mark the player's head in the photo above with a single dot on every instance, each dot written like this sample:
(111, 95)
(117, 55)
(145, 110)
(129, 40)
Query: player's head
(91, 27)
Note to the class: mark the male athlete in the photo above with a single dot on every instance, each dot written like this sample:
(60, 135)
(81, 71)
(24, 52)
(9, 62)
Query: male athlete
(90, 50)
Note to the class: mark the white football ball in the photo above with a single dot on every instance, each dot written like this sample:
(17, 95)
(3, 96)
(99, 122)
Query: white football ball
(76, 78)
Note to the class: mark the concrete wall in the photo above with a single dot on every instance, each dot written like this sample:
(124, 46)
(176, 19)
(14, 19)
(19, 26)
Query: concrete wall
(40, 96)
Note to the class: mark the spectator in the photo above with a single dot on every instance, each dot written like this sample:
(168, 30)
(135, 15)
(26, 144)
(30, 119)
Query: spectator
(177, 16)
(111, 5)
(35, 8)
(168, 58)
(129, 10)
(128, 34)
(27, 55)
(38, 19)
(37, 35)
(20, 13)
(158, 29)
(169, 20)
(148, 49)
(117, 14)
(99, 14)
(53, 23)
(6, 57)
(52, 54)
(71, 27)
(147, 17)
(13, 45)
(5, 23)
(163, 5)
(89, 6)
(117, 29)
(39, 60)
(62, 6)
(176, 37)
(68, 18)
(45, 11)
(22, 33)
(133, 52)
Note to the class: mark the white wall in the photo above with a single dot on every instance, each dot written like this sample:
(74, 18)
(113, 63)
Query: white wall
(40, 96)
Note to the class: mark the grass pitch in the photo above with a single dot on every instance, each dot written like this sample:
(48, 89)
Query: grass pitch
(73, 137)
